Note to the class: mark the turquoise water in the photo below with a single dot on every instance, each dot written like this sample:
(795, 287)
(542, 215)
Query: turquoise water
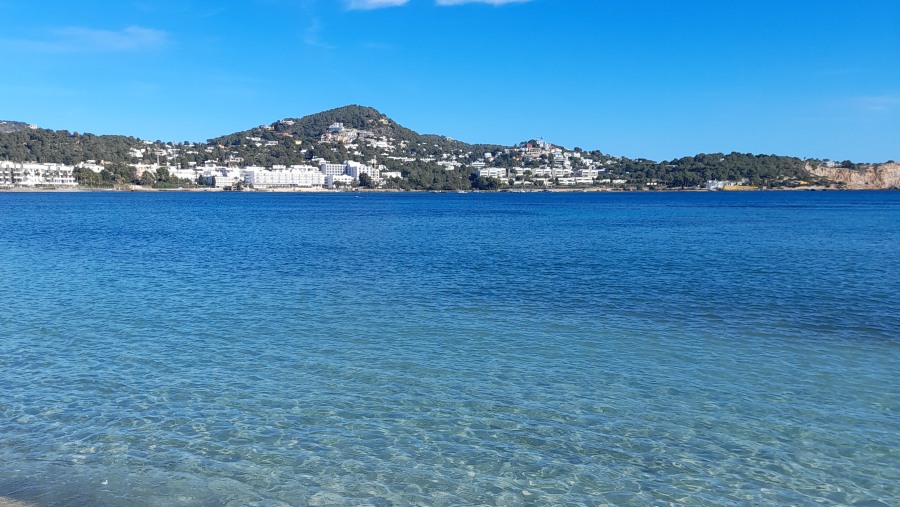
(450, 349)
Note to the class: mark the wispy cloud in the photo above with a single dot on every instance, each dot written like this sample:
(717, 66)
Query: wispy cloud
(90, 40)
(313, 35)
(132, 38)
(879, 103)
(377, 46)
(354, 5)
(489, 2)
(838, 72)
(365, 5)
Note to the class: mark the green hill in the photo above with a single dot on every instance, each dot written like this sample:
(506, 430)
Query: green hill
(296, 134)
(60, 146)
(367, 135)
(310, 128)
(11, 126)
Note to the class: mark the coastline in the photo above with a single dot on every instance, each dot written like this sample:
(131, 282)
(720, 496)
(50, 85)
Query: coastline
(392, 191)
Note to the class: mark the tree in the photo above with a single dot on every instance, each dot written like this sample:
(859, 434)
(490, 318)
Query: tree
(147, 179)
(118, 173)
(162, 175)
(366, 181)
(482, 183)
(86, 177)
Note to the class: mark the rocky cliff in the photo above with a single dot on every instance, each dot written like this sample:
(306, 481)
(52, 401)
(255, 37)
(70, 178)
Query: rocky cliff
(869, 177)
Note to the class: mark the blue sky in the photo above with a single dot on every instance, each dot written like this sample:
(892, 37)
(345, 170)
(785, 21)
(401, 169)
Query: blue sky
(642, 78)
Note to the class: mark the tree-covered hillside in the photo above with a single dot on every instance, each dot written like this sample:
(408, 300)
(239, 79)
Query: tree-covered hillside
(59, 146)
(696, 170)
(425, 161)
(12, 126)
(294, 135)
(310, 128)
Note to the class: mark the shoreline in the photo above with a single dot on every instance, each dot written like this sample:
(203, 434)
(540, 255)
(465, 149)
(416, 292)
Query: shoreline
(26, 190)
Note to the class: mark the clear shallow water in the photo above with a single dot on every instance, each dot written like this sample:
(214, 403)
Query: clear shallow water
(517, 349)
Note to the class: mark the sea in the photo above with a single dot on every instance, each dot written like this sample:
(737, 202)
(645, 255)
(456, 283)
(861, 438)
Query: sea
(393, 349)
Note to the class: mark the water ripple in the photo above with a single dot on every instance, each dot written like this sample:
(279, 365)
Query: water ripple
(450, 350)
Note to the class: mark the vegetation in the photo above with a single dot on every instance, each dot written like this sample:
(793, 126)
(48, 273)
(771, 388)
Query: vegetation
(12, 126)
(416, 156)
(693, 171)
(59, 146)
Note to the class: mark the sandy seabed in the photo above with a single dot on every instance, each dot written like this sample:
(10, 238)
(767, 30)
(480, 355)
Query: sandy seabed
(6, 502)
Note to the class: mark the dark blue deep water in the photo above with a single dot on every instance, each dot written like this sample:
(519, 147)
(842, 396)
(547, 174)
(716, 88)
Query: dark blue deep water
(450, 349)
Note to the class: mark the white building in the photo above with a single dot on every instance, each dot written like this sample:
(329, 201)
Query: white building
(349, 168)
(300, 177)
(562, 172)
(221, 177)
(587, 173)
(332, 169)
(332, 180)
(18, 174)
(91, 166)
(492, 172)
(354, 169)
(184, 174)
(582, 180)
(717, 185)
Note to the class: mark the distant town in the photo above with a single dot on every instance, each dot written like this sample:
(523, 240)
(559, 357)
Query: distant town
(566, 168)
(359, 148)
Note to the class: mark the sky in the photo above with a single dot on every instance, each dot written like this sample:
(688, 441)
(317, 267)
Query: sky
(657, 79)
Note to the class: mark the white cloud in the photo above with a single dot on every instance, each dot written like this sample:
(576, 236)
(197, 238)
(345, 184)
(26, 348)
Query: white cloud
(373, 4)
(130, 39)
(89, 40)
(489, 2)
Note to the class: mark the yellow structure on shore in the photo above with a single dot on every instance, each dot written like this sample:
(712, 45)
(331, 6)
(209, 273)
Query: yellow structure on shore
(739, 187)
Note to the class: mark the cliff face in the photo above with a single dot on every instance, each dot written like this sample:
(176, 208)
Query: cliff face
(873, 177)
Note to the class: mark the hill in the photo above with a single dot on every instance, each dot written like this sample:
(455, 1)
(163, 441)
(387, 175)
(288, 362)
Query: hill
(425, 161)
(11, 126)
(357, 123)
(59, 146)
(310, 128)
